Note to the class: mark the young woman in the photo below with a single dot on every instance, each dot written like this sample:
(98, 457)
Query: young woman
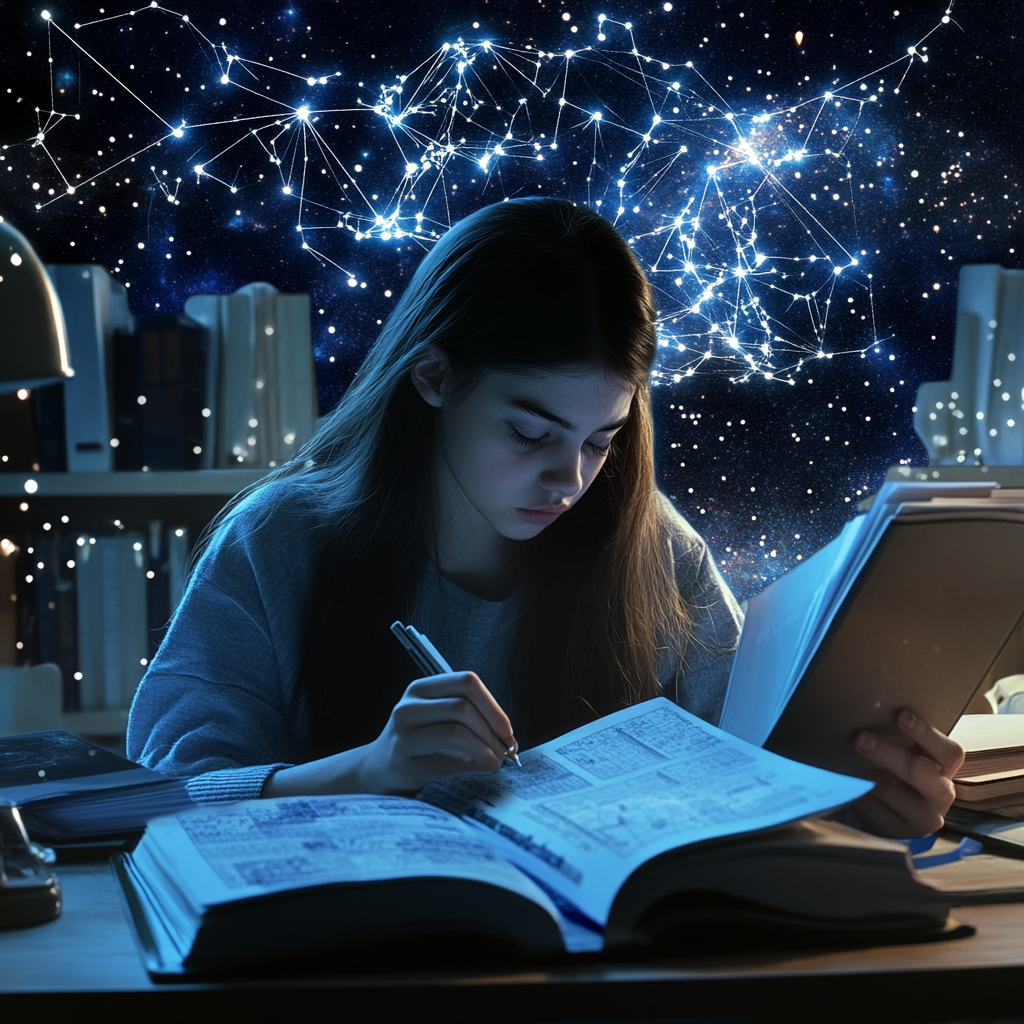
(489, 478)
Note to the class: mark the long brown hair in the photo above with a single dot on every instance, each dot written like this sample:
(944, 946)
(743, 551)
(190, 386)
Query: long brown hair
(530, 283)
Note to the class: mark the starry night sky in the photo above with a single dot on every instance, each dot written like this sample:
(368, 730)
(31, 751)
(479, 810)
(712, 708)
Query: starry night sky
(802, 203)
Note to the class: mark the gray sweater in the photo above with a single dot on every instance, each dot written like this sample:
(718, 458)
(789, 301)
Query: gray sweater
(215, 704)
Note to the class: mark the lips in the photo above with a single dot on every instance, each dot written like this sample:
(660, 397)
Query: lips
(542, 516)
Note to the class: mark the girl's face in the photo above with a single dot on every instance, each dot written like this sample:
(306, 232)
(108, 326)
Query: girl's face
(523, 447)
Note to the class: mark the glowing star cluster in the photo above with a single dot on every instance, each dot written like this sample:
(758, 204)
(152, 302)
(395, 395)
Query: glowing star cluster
(742, 204)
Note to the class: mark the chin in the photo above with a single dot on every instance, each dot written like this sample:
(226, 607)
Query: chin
(514, 527)
(522, 531)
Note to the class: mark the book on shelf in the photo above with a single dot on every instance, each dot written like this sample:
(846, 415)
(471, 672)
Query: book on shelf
(95, 308)
(113, 640)
(19, 450)
(73, 793)
(44, 606)
(47, 603)
(178, 548)
(159, 394)
(50, 428)
(908, 607)
(266, 403)
(642, 827)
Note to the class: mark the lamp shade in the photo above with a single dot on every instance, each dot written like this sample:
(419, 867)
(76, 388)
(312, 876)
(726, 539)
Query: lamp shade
(33, 341)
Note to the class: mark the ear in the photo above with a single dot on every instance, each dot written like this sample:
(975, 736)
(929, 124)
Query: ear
(428, 373)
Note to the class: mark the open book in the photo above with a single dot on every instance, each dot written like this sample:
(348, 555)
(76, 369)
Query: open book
(908, 607)
(578, 848)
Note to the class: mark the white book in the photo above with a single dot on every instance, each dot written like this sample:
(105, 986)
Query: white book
(89, 593)
(266, 402)
(239, 384)
(94, 306)
(295, 420)
(112, 626)
(206, 310)
(968, 414)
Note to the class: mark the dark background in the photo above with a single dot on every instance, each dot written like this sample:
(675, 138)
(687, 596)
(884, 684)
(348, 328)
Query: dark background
(768, 469)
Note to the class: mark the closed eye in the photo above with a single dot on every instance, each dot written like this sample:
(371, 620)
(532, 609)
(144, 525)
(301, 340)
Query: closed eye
(533, 443)
(529, 443)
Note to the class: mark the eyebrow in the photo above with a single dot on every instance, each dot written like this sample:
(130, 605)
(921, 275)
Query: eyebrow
(536, 410)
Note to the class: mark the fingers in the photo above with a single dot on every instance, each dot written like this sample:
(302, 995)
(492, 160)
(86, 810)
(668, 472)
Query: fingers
(921, 773)
(414, 714)
(404, 762)
(468, 686)
(915, 790)
(947, 753)
(894, 808)
(434, 745)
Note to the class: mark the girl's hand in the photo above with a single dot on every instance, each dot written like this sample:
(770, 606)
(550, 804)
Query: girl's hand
(914, 789)
(443, 725)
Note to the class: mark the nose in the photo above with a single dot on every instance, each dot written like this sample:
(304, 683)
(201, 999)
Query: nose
(563, 477)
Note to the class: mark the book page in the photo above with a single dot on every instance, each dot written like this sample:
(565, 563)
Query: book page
(981, 733)
(256, 847)
(587, 809)
(775, 625)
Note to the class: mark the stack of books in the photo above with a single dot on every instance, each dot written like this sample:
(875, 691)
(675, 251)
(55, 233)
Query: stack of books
(992, 775)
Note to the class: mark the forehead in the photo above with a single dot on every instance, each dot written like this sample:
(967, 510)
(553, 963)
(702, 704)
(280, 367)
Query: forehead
(586, 397)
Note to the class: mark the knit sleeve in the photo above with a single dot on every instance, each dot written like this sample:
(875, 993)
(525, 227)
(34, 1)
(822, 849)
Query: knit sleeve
(217, 703)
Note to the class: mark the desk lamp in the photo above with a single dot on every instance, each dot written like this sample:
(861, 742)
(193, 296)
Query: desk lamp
(33, 341)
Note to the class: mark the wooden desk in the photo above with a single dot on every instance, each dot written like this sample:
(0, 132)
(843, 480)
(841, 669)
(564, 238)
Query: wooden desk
(85, 963)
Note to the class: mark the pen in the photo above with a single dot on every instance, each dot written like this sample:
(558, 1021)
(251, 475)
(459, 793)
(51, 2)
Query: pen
(428, 659)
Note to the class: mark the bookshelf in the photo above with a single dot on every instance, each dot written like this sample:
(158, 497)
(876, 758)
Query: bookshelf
(1007, 476)
(95, 501)
(194, 483)
(101, 502)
